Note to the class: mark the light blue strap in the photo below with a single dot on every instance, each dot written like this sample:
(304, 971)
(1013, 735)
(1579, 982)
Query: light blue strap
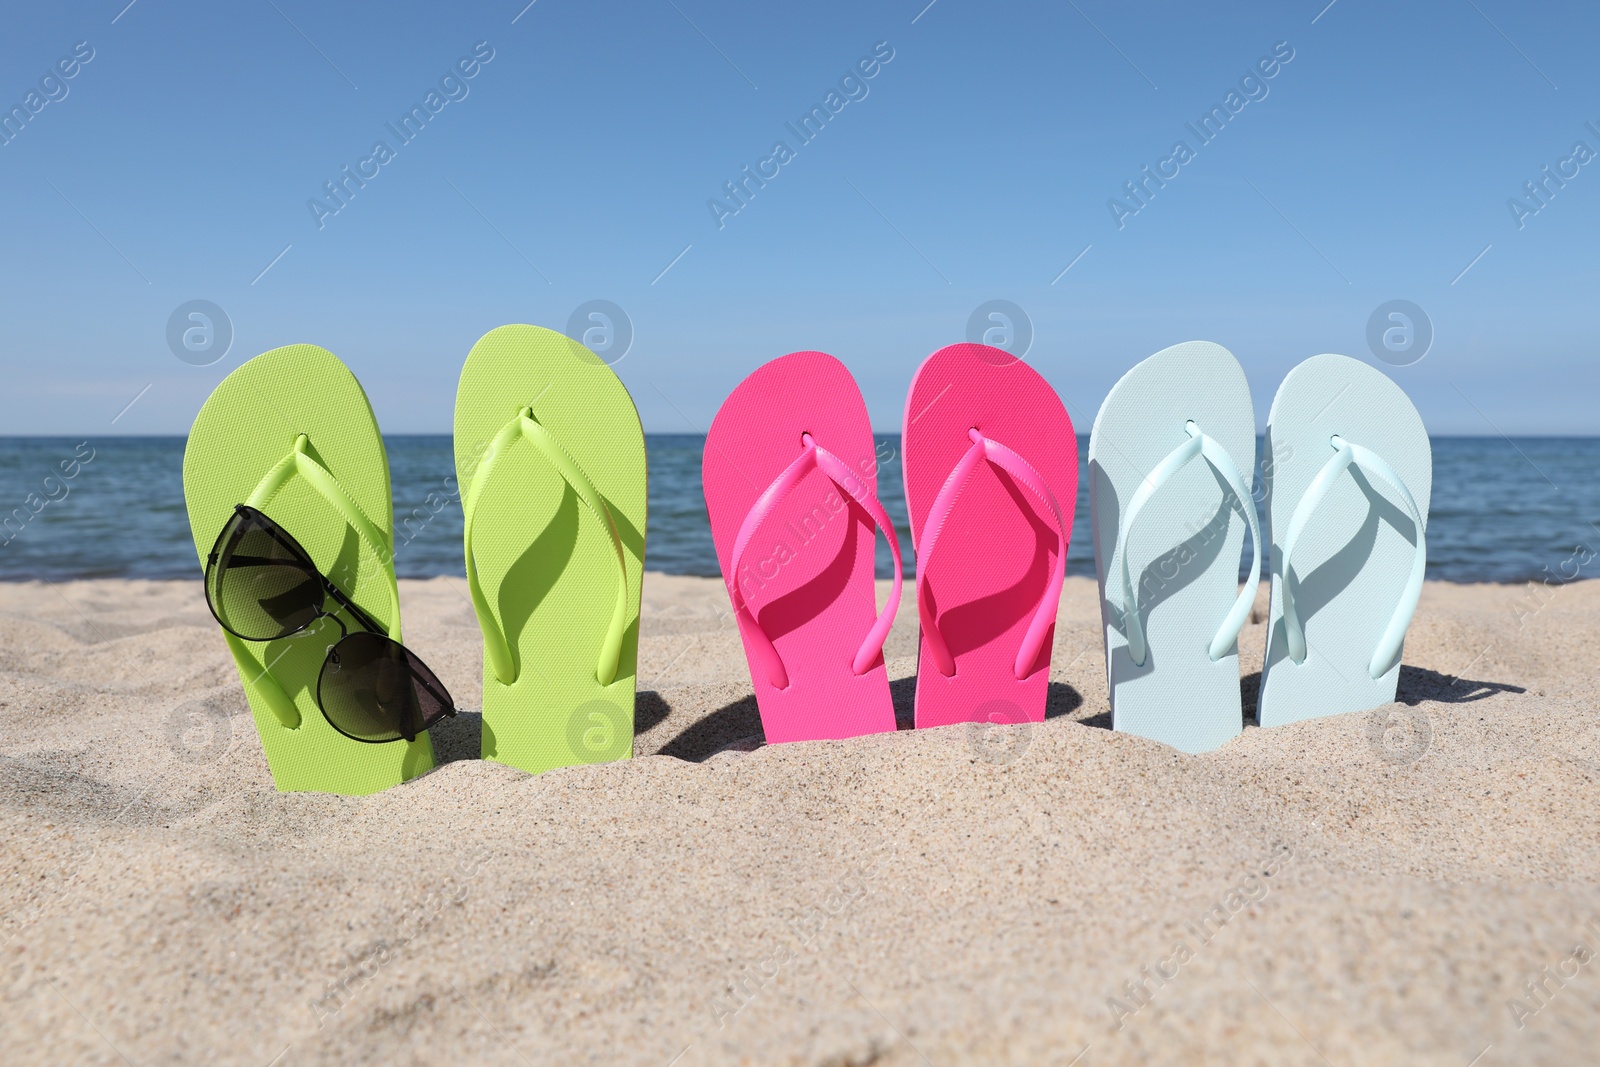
(1199, 444)
(1346, 453)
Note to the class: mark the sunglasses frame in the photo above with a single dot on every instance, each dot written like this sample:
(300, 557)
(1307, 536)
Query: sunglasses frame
(302, 560)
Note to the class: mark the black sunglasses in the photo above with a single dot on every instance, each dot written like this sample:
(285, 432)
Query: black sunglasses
(262, 586)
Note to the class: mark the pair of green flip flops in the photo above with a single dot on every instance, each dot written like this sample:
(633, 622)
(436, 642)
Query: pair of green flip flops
(550, 466)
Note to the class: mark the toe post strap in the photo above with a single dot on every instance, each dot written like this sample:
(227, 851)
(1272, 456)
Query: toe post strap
(1199, 444)
(1044, 614)
(812, 457)
(1347, 454)
(525, 426)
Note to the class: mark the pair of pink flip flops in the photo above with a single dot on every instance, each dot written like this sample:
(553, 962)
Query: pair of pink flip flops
(991, 475)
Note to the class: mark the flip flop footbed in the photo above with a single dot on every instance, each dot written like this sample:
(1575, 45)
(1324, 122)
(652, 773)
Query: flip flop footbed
(1352, 561)
(247, 427)
(1183, 548)
(545, 563)
(995, 554)
(807, 570)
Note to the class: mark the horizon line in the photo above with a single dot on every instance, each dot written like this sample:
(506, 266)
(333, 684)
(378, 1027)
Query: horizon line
(680, 433)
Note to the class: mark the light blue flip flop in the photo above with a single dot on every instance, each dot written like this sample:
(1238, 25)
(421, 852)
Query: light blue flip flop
(1170, 502)
(1348, 493)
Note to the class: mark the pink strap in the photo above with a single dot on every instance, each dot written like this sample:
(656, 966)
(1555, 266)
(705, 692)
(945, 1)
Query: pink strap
(1045, 614)
(846, 479)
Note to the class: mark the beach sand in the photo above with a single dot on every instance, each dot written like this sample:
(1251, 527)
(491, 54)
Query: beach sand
(1354, 890)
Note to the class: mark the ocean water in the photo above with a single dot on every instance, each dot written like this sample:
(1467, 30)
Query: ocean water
(1503, 510)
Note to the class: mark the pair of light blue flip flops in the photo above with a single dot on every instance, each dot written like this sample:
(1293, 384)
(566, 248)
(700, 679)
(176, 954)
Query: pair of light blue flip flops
(1347, 472)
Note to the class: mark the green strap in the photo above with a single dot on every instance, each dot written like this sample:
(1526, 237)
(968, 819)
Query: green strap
(280, 703)
(525, 427)
(300, 462)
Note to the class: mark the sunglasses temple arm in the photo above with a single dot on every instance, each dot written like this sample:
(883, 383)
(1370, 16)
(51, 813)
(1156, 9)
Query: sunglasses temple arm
(367, 622)
(301, 559)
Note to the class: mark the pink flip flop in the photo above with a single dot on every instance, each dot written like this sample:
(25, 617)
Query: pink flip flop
(991, 537)
(791, 484)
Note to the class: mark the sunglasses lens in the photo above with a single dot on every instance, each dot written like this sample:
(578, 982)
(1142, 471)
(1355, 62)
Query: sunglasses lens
(375, 689)
(259, 587)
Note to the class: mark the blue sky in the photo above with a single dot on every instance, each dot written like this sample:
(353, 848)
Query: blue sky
(974, 165)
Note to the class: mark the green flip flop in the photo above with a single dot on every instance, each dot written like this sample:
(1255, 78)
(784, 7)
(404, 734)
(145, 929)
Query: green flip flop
(291, 433)
(550, 455)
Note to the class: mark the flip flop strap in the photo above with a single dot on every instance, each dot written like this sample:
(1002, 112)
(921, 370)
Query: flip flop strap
(300, 461)
(525, 427)
(1347, 454)
(1199, 444)
(279, 702)
(1044, 615)
(814, 456)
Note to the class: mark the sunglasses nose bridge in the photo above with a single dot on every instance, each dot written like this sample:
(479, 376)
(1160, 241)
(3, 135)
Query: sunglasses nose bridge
(344, 631)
